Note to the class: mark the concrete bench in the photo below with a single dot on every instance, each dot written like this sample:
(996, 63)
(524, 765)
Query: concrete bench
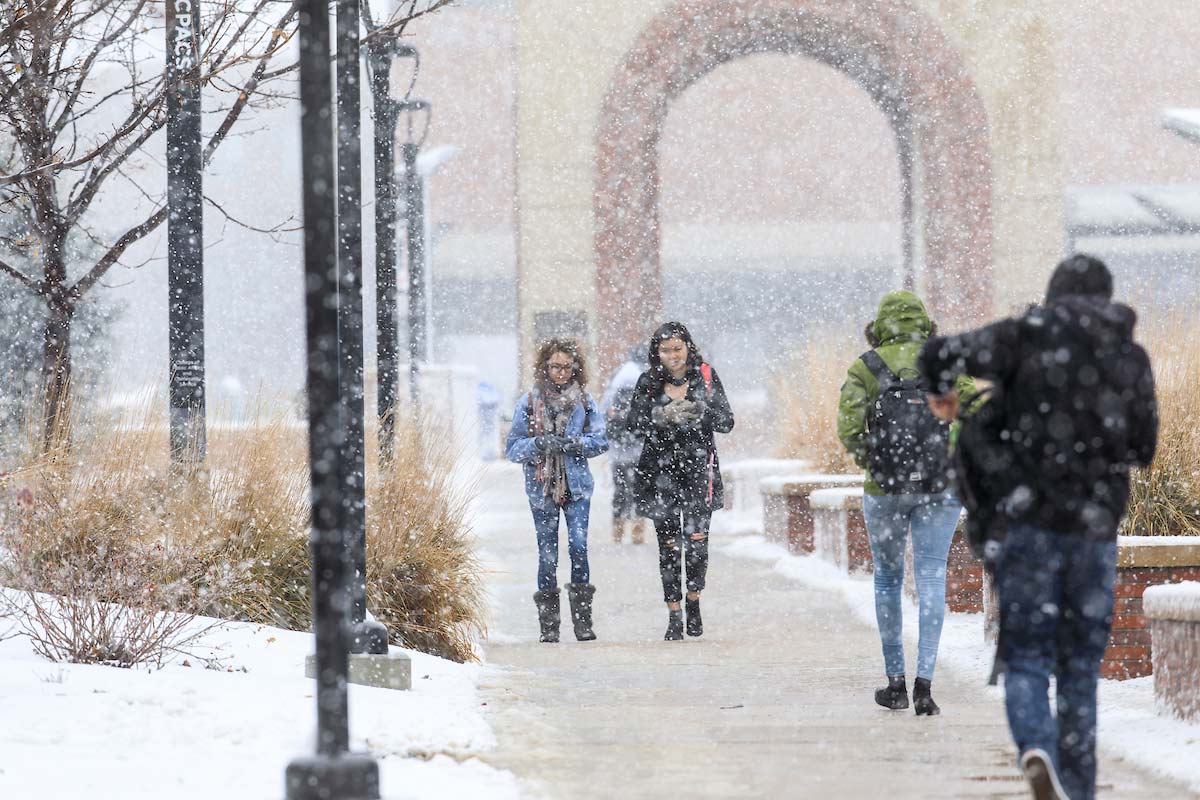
(1143, 562)
(839, 530)
(787, 514)
(1174, 615)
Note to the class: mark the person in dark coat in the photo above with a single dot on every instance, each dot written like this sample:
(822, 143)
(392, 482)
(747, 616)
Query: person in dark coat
(677, 406)
(1078, 404)
(555, 429)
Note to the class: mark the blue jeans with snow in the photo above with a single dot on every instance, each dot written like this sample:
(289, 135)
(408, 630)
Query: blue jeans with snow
(545, 522)
(1056, 603)
(932, 519)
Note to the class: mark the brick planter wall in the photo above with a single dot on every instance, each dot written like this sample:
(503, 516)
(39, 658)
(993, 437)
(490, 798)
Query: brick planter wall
(964, 576)
(787, 513)
(1174, 615)
(1142, 562)
(840, 532)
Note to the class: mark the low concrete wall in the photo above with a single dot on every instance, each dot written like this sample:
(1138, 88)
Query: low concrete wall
(1143, 562)
(787, 513)
(1174, 616)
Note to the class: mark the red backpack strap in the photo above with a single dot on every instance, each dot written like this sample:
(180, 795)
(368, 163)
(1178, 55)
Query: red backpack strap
(706, 373)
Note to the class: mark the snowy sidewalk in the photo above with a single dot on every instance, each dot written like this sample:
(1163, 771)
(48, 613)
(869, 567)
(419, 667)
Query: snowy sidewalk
(773, 701)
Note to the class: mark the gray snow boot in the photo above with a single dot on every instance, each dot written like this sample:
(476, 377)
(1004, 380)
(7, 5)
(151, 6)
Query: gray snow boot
(580, 595)
(549, 613)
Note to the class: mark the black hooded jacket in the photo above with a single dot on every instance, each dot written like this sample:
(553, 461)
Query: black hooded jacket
(1078, 404)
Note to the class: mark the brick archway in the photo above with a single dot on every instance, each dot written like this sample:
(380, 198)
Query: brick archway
(896, 53)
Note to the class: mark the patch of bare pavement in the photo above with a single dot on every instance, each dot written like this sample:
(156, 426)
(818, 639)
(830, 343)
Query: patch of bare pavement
(774, 700)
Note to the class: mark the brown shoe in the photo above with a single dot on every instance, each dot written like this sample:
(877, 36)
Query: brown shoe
(639, 531)
(619, 530)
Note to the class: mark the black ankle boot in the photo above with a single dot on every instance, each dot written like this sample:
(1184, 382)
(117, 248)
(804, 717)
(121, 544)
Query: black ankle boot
(580, 595)
(549, 613)
(922, 700)
(674, 627)
(894, 695)
(695, 626)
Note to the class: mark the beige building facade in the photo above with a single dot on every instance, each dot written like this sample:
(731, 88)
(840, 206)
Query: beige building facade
(968, 88)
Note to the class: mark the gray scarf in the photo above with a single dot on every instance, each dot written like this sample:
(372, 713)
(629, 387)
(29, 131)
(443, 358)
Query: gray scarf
(554, 412)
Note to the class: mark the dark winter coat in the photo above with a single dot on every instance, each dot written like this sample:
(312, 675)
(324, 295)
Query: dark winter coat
(1077, 402)
(673, 470)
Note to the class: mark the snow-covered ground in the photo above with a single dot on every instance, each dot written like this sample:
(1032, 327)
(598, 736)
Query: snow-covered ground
(188, 731)
(1128, 725)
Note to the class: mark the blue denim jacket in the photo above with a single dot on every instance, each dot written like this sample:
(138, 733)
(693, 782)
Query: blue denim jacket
(520, 449)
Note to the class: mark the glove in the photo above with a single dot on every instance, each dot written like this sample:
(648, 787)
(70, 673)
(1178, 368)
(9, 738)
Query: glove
(548, 443)
(693, 412)
(573, 445)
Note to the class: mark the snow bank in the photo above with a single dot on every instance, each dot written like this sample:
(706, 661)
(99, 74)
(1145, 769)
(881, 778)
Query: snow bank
(225, 722)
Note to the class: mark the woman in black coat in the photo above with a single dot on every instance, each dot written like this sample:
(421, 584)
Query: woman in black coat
(677, 406)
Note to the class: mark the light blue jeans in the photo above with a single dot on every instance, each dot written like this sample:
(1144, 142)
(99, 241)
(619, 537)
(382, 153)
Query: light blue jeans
(932, 519)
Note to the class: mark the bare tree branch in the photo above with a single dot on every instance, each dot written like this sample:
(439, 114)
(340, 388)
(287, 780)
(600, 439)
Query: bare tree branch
(12, 271)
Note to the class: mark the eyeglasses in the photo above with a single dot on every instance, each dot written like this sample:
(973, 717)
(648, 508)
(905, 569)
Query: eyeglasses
(552, 367)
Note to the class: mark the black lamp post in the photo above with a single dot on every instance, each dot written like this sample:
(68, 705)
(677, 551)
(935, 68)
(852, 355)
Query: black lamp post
(366, 636)
(414, 217)
(332, 773)
(381, 51)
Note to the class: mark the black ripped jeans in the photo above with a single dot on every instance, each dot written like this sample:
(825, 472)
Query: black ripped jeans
(683, 533)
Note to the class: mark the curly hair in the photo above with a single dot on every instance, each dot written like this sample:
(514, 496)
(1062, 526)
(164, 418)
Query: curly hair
(549, 347)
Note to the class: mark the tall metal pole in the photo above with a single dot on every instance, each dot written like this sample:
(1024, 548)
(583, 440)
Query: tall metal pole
(365, 637)
(331, 773)
(414, 217)
(185, 234)
(380, 53)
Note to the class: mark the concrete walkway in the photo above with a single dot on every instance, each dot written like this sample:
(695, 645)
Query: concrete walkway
(775, 700)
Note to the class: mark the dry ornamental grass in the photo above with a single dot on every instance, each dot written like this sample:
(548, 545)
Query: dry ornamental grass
(103, 521)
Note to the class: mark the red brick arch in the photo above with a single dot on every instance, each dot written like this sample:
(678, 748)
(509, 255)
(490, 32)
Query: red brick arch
(895, 52)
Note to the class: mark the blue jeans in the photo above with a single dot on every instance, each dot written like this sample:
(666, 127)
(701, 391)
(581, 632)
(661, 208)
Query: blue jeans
(1056, 603)
(932, 519)
(545, 522)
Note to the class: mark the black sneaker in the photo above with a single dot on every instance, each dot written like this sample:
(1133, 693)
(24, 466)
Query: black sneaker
(894, 695)
(1043, 778)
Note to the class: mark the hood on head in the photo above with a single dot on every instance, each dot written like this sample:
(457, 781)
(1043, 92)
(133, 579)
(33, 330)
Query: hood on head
(1080, 275)
(901, 316)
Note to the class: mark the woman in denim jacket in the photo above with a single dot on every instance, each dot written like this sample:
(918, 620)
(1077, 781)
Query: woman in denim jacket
(556, 428)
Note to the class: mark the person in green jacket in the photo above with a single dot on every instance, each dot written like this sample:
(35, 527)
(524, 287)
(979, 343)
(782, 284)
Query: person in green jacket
(917, 499)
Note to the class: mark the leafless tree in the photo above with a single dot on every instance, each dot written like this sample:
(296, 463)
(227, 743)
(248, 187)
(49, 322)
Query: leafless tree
(82, 94)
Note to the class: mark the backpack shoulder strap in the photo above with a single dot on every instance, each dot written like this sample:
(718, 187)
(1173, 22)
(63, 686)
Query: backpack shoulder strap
(879, 368)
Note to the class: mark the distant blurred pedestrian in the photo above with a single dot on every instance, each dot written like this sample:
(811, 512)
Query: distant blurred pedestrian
(1077, 401)
(678, 404)
(624, 446)
(884, 423)
(556, 428)
(487, 401)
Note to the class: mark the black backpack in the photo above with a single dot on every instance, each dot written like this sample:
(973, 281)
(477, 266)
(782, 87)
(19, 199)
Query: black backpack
(907, 446)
